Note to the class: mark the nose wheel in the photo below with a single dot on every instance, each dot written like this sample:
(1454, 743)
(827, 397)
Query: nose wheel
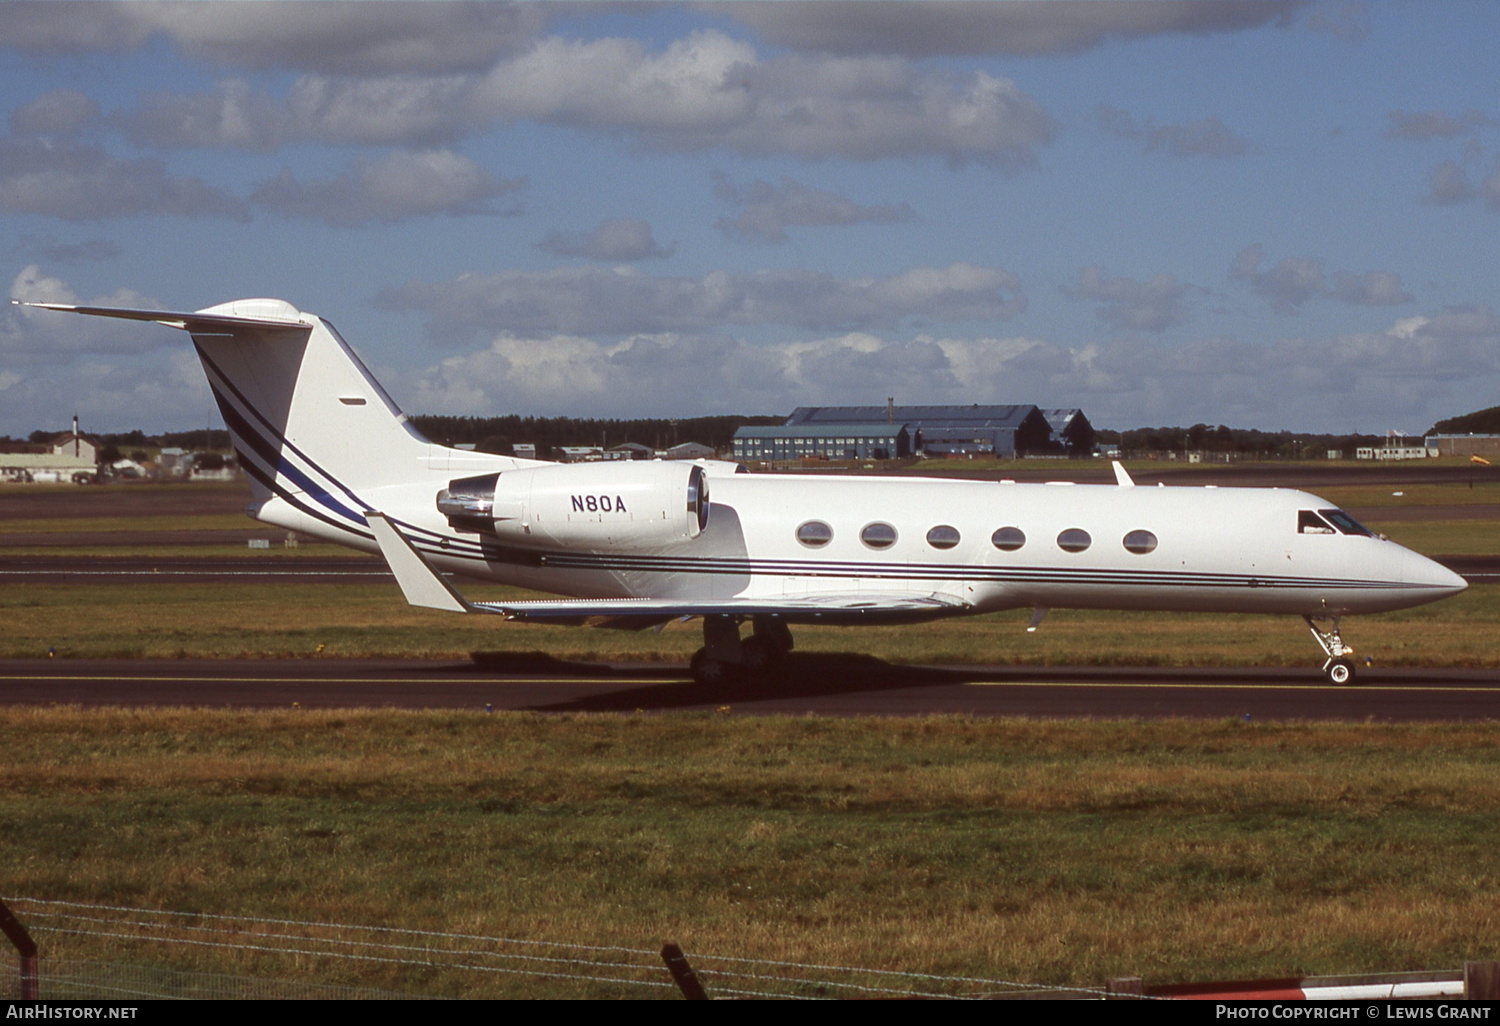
(1339, 667)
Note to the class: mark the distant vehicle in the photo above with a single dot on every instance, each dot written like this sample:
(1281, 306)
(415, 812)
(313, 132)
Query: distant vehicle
(639, 543)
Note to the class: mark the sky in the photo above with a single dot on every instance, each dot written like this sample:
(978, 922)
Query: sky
(1263, 213)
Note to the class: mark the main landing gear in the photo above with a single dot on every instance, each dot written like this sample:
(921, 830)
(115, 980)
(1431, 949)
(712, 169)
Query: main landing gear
(725, 657)
(1339, 667)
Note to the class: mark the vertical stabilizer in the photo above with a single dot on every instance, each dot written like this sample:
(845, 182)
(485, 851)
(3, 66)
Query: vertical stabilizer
(317, 436)
(306, 416)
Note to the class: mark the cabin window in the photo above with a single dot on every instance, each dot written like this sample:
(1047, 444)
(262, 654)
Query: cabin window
(1309, 522)
(878, 535)
(1140, 542)
(814, 534)
(1345, 523)
(1074, 539)
(1008, 539)
(943, 537)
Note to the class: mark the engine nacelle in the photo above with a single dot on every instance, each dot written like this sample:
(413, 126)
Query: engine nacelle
(625, 505)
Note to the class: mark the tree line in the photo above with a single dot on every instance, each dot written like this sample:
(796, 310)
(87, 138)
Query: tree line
(1238, 441)
(499, 434)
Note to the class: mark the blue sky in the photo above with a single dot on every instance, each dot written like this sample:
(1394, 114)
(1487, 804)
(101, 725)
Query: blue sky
(1267, 214)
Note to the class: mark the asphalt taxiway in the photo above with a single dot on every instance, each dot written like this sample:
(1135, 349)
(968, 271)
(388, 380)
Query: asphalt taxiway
(826, 685)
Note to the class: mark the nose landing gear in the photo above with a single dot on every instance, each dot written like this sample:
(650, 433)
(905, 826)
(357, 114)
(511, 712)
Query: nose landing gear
(1339, 667)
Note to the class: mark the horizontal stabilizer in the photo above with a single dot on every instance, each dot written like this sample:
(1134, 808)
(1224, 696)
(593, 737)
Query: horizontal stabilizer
(194, 321)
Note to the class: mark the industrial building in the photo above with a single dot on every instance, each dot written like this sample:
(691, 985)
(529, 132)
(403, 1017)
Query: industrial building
(827, 442)
(893, 432)
(1484, 446)
(66, 457)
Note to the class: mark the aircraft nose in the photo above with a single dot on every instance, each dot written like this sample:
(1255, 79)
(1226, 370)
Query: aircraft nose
(1433, 576)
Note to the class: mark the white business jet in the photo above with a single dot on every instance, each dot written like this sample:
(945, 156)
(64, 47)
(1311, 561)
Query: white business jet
(638, 544)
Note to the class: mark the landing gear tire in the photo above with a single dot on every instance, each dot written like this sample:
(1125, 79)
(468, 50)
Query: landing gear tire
(1340, 671)
(761, 654)
(708, 670)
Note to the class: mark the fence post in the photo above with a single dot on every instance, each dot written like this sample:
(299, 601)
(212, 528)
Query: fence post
(1482, 981)
(682, 973)
(25, 947)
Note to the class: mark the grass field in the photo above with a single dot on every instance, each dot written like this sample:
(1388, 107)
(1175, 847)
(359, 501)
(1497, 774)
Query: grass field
(326, 620)
(1057, 853)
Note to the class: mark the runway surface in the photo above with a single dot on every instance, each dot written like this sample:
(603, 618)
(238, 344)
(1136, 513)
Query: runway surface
(816, 684)
(193, 569)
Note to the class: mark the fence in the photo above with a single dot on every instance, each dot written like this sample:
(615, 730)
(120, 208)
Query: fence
(163, 947)
(288, 953)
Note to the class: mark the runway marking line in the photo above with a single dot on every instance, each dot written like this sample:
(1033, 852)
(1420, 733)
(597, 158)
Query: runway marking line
(195, 573)
(501, 681)
(489, 682)
(1353, 689)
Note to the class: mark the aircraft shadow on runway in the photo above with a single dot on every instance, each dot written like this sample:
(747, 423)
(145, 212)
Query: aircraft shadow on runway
(817, 675)
(802, 676)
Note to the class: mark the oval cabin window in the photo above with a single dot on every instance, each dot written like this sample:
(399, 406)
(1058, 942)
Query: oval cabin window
(878, 536)
(1074, 539)
(1140, 542)
(943, 537)
(815, 534)
(1008, 539)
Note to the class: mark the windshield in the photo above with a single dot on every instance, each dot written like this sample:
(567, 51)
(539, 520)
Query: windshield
(1345, 523)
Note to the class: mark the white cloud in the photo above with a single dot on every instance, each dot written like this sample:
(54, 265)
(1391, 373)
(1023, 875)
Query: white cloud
(767, 210)
(705, 91)
(399, 185)
(927, 29)
(402, 110)
(1433, 124)
(1152, 305)
(1420, 369)
(1449, 183)
(62, 112)
(162, 390)
(616, 239)
(1206, 137)
(116, 374)
(1293, 281)
(371, 37)
(620, 301)
(33, 336)
(1373, 288)
(77, 182)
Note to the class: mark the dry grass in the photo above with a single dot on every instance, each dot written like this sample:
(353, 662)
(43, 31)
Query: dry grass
(162, 620)
(1047, 852)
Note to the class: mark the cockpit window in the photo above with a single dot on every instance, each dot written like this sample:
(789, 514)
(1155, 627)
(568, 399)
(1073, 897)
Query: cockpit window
(1345, 523)
(1309, 522)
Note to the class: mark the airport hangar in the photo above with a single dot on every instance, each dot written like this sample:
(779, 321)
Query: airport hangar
(894, 432)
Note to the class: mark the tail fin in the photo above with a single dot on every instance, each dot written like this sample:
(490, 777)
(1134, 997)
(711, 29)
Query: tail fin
(316, 434)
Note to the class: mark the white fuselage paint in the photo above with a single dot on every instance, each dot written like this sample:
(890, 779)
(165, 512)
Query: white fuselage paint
(1218, 549)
